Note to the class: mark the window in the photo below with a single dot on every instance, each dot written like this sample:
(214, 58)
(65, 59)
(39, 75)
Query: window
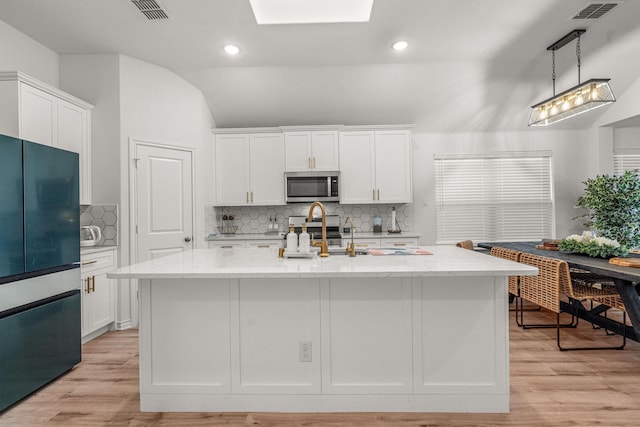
(625, 160)
(501, 197)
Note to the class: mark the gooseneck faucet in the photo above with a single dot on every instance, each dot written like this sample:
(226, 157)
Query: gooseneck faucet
(324, 247)
(351, 248)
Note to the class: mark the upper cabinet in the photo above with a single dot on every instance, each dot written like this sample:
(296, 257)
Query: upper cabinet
(311, 150)
(249, 168)
(36, 112)
(375, 166)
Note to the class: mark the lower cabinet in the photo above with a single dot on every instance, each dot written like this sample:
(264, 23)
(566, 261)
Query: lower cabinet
(98, 293)
(261, 244)
(401, 242)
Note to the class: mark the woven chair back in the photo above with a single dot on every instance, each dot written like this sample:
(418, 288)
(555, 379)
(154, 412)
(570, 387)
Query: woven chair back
(511, 255)
(544, 288)
(466, 244)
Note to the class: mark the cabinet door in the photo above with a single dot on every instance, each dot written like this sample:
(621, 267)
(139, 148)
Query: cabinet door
(102, 298)
(38, 118)
(267, 169)
(297, 151)
(357, 182)
(324, 150)
(73, 135)
(232, 169)
(393, 166)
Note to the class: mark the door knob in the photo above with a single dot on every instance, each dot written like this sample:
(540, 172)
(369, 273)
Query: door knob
(187, 239)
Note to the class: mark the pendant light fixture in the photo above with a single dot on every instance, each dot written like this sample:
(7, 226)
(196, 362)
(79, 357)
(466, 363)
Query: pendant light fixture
(584, 97)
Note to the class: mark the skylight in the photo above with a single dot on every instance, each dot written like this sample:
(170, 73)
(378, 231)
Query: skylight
(311, 11)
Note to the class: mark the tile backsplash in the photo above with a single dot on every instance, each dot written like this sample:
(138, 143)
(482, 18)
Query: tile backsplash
(105, 217)
(254, 219)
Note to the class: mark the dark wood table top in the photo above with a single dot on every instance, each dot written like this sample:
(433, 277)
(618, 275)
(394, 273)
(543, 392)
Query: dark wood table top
(596, 265)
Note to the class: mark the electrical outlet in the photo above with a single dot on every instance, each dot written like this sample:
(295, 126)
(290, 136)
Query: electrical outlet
(304, 348)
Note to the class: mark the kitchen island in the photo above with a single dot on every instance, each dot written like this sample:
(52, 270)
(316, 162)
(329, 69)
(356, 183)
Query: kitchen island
(244, 330)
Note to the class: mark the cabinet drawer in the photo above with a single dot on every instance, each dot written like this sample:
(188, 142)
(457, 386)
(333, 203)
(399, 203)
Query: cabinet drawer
(264, 244)
(226, 245)
(98, 262)
(399, 242)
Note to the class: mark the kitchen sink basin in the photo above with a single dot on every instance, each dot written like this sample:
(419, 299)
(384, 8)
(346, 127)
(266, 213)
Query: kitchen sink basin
(343, 251)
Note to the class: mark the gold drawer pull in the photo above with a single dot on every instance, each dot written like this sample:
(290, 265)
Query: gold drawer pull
(225, 246)
(399, 244)
(264, 246)
(89, 262)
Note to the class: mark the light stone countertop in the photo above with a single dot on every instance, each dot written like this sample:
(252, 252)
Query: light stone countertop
(447, 260)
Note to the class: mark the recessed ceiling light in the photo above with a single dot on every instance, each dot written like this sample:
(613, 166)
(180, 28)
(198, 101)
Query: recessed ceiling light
(311, 11)
(232, 49)
(400, 45)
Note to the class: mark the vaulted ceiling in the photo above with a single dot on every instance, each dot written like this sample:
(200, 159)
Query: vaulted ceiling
(471, 65)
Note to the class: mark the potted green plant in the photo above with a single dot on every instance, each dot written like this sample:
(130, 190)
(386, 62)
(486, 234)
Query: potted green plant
(613, 204)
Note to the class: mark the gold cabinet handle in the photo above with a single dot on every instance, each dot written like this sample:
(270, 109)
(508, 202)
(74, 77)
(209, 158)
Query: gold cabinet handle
(88, 289)
(93, 261)
(378, 194)
(362, 245)
(252, 197)
(93, 283)
(309, 162)
(264, 246)
(314, 162)
(373, 194)
(399, 244)
(225, 246)
(247, 194)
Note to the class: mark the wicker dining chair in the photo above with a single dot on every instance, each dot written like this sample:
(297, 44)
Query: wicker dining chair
(511, 255)
(554, 279)
(466, 244)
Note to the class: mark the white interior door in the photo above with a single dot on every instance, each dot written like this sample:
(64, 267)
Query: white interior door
(164, 201)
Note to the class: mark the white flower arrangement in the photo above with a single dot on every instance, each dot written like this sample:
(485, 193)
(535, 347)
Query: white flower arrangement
(588, 244)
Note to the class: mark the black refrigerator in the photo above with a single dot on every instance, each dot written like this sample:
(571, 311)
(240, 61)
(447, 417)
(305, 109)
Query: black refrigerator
(39, 266)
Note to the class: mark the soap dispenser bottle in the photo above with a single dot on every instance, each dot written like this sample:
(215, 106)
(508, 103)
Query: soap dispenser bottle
(292, 241)
(304, 240)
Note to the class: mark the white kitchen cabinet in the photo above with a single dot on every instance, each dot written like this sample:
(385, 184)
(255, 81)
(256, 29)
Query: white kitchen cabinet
(250, 243)
(249, 169)
(98, 292)
(375, 166)
(221, 244)
(37, 112)
(383, 241)
(311, 150)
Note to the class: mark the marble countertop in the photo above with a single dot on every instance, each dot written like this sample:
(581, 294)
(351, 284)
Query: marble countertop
(447, 260)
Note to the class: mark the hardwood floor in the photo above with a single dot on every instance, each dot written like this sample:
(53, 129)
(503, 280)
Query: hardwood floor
(548, 388)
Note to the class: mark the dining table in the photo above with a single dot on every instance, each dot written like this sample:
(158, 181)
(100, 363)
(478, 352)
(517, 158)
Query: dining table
(626, 280)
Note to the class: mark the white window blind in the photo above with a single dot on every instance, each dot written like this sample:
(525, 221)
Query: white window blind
(626, 162)
(499, 198)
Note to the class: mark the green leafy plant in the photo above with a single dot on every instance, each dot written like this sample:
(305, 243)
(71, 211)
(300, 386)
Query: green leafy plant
(592, 246)
(613, 203)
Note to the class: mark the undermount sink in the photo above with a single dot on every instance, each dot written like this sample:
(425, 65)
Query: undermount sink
(343, 251)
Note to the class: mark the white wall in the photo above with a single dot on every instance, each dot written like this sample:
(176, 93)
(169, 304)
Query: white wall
(158, 106)
(96, 79)
(571, 154)
(19, 52)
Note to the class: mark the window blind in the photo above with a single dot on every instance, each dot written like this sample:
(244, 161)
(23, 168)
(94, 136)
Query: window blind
(626, 161)
(497, 198)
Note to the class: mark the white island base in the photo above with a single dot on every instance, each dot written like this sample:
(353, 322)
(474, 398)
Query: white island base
(420, 333)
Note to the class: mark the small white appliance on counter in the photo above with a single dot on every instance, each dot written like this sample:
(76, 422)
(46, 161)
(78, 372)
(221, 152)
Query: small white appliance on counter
(90, 235)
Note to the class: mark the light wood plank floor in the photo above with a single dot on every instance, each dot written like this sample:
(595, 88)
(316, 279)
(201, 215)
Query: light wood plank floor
(548, 388)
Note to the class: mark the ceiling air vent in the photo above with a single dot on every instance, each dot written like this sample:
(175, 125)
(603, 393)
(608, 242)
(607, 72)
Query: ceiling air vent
(151, 9)
(595, 10)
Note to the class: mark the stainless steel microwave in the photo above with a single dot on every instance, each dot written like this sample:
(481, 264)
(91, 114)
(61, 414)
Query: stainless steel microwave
(312, 186)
